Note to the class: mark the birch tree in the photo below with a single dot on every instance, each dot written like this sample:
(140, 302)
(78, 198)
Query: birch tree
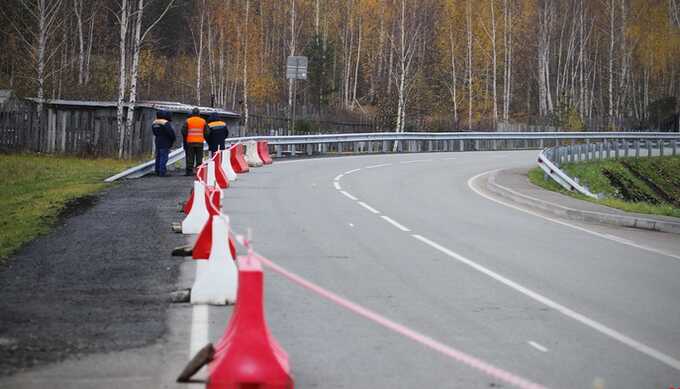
(123, 21)
(138, 40)
(37, 38)
(407, 40)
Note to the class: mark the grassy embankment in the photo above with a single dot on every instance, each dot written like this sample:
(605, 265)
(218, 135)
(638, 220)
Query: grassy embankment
(640, 185)
(35, 189)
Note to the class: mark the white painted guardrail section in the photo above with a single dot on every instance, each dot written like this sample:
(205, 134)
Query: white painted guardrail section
(562, 178)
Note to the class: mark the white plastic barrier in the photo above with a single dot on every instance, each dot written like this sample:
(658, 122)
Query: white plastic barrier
(217, 281)
(198, 215)
(226, 165)
(210, 173)
(252, 156)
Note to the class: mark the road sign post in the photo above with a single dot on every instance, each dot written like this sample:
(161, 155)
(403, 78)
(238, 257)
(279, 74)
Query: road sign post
(296, 69)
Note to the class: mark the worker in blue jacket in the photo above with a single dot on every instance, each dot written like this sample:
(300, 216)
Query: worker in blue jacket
(218, 133)
(165, 138)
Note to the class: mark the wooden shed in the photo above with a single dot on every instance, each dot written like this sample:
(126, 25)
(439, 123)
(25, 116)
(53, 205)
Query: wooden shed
(89, 127)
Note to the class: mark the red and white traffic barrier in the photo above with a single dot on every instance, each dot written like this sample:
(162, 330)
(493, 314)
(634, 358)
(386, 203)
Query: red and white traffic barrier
(217, 280)
(238, 162)
(252, 156)
(248, 354)
(224, 157)
(198, 213)
(213, 175)
(263, 151)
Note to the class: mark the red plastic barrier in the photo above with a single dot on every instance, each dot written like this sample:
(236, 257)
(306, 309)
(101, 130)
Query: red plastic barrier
(238, 161)
(189, 203)
(263, 152)
(248, 355)
(203, 243)
(220, 176)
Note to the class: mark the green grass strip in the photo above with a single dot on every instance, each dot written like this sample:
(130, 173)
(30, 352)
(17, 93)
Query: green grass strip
(34, 189)
(654, 179)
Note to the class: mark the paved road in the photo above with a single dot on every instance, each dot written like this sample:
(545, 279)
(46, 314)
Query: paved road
(414, 239)
(627, 296)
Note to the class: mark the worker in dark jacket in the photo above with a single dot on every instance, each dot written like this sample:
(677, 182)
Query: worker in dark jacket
(218, 133)
(165, 138)
(195, 131)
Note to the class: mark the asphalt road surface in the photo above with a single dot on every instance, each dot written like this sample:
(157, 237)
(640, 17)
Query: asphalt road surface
(417, 239)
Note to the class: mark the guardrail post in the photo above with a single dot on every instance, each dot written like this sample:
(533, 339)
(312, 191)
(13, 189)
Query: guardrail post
(494, 145)
(674, 145)
(540, 143)
(626, 146)
(617, 145)
(662, 143)
(292, 150)
(649, 147)
(279, 151)
(607, 147)
(308, 146)
(476, 144)
(637, 148)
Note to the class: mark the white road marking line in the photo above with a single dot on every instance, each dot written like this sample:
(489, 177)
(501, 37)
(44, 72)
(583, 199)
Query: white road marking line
(376, 166)
(394, 223)
(582, 229)
(371, 209)
(349, 196)
(448, 159)
(632, 343)
(538, 346)
(338, 177)
(351, 171)
(616, 238)
(337, 185)
(200, 326)
(416, 161)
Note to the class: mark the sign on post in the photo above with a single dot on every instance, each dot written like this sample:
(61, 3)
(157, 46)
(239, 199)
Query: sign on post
(296, 67)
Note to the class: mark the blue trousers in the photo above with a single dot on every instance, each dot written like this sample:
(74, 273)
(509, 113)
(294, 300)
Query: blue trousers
(161, 161)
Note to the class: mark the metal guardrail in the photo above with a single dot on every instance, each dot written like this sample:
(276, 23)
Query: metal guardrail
(416, 142)
(550, 159)
(562, 178)
(147, 167)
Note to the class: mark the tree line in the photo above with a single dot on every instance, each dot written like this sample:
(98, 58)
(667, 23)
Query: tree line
(411, 64)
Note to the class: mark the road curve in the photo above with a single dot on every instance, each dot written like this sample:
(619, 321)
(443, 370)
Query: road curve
(415, 239)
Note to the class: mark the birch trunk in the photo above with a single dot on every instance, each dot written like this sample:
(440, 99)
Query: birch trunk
(124, 13)
(199, 52)
(356, 68)
(611, 62)
(495, 71)
(78, 11)
(454, 79)
(245, 70)
(136, 47)
(469, 62)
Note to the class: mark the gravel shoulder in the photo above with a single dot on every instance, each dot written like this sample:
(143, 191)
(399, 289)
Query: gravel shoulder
(99, 282)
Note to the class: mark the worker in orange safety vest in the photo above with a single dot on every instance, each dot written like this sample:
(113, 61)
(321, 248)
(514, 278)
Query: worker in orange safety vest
(195, 131)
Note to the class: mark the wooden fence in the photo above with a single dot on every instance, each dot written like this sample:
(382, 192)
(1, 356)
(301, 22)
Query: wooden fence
(80, 132)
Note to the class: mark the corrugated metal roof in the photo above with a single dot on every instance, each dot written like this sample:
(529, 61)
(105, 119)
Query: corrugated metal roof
(171, 106)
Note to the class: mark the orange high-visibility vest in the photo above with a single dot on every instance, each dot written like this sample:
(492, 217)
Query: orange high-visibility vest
(195, 126)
